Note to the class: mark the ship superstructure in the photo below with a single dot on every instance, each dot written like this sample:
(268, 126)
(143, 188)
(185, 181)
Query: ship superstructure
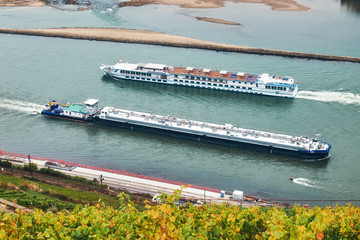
(74, 111)
(241, 82)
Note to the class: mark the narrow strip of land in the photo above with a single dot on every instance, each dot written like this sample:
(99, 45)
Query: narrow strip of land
(279, 5)
(216, 20)
(163, 39)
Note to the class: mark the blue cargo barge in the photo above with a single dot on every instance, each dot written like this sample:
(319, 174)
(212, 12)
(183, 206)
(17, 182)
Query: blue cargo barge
(227, 135)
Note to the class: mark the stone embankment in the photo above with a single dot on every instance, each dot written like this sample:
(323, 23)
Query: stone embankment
(163, 39)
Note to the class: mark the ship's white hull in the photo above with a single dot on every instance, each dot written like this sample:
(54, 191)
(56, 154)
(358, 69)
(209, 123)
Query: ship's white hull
(161, 77)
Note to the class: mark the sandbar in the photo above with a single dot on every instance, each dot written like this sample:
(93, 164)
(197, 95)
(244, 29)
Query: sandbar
(216, 20)
(164, 39)
(279, 5)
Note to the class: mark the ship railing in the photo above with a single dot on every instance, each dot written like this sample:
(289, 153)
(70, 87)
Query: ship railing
(219, 128)
(168, 120)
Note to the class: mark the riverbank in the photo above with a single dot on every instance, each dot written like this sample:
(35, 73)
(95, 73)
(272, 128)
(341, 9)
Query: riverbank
(278, 5)
(163, 39)
(23, 3)
(134, 183)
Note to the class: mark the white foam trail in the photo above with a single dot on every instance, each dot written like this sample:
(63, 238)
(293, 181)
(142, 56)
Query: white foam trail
(325, 96)
(27, 107)
(305, 182)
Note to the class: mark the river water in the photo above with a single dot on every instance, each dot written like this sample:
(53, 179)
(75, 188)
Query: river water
(35, 70)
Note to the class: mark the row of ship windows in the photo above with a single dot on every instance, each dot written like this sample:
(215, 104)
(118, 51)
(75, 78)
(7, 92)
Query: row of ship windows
(187, 77)
(202, 78)
(234, 89)
(209, 79)
(276, 88)
(72, 113)
(133, 72)
(220, 85)
(149, 79)
(214, 84)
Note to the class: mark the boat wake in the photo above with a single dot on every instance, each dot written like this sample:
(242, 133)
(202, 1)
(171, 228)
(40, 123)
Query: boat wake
(327, 96)
(27, 107)
(305, 182)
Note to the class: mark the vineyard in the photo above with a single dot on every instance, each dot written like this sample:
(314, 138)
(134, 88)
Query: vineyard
(168, 221)
(75, 208)
(47, 189)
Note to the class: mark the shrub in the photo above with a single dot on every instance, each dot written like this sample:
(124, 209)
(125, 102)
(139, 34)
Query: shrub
(30, 167)
(5, 163)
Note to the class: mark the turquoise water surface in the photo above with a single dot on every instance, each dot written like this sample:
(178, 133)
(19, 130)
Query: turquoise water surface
(35, 70)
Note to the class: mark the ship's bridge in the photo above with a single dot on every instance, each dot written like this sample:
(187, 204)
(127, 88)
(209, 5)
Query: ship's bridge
(267, 79)
(92, 105)
(126, 66)
(152, 67)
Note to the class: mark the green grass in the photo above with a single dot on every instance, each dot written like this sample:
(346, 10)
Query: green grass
(33, 199)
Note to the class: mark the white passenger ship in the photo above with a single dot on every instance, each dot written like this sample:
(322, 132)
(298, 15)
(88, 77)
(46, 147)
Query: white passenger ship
(241, 82)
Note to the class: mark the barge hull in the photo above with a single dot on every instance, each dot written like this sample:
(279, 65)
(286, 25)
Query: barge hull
(214, 140)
